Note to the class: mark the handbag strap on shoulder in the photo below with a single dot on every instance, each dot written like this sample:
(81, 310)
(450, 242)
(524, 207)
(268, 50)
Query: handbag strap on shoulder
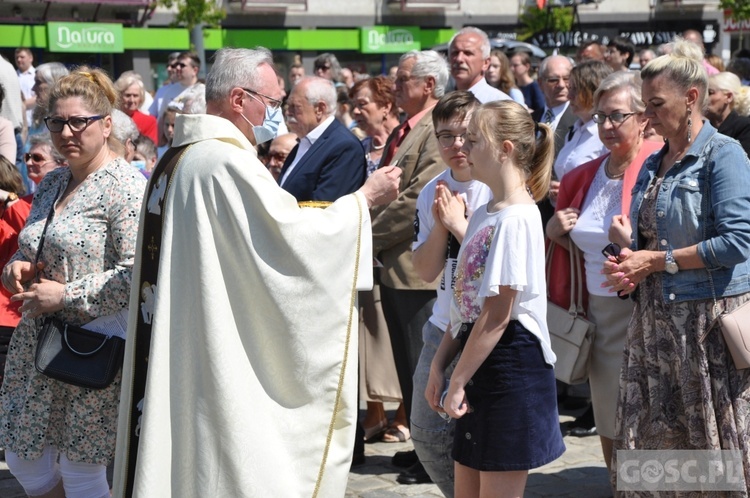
(44, 235)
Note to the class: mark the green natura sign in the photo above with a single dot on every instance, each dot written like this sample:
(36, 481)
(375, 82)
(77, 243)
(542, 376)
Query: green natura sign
(84, 37)
(389, 39)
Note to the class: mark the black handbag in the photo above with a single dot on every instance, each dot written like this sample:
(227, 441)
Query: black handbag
(78, 356)
(72, 354)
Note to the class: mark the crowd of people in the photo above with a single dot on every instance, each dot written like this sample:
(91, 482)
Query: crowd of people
(371, 238)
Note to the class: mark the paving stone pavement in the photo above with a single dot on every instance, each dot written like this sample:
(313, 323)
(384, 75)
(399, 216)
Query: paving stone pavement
(579, 473)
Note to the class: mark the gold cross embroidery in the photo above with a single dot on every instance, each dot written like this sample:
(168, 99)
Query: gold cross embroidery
(152, 247)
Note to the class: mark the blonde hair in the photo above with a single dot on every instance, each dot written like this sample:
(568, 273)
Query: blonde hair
(730, 82)
(683, 67)
(508, 120)
(93, 87)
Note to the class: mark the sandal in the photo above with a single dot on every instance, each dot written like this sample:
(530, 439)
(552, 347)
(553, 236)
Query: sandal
(373, 433)
(397, 434)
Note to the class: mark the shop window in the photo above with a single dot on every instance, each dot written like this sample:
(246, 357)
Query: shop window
(425, 4)
(141, 3)
(270, 5)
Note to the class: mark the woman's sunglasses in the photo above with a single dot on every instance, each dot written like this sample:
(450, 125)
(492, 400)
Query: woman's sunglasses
(37, 158)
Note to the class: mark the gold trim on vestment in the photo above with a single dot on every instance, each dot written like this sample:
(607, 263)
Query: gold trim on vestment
(314, 204)
(342, 373)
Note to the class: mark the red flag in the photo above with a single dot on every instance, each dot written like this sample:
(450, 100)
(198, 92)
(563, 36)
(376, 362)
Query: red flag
(541, 3)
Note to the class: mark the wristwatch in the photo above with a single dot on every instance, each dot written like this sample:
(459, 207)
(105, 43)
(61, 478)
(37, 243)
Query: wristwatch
(670, 264)
(12, 196)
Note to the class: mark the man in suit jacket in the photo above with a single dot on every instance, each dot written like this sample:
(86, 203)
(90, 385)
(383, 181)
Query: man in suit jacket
(328, 162)
(407, 300)
(554, 77)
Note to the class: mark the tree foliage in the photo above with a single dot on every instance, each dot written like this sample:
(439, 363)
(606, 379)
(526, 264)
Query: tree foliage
(535, 20)
(740, 9)
(190, 13)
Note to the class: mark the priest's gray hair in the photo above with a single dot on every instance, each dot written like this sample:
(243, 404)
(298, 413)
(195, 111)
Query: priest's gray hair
(235, 67)
(319, 90)
(429, 63)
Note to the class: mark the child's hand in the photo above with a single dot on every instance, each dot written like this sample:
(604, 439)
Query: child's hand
(435, 386)
(455, 403)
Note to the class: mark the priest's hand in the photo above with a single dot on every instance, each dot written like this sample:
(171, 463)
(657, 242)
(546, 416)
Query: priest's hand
(382, 186)
(17, 273)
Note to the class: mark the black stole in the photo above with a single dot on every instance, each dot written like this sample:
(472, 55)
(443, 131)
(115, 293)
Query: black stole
(156, 192)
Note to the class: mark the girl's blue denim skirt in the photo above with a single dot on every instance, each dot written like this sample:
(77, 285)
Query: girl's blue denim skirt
(513, 423)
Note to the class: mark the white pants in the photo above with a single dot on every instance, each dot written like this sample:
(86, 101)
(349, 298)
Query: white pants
(40, 476)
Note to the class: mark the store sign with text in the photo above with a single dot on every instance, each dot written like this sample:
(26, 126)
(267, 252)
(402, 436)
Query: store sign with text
(78, 37)
(389, 39)
(732, 26)
(566, 39)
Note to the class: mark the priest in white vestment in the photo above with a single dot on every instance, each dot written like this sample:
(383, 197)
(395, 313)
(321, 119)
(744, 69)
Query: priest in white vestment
(250, 386)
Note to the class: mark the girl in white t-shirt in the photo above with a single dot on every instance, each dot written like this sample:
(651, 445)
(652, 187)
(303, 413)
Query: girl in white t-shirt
(502, 390)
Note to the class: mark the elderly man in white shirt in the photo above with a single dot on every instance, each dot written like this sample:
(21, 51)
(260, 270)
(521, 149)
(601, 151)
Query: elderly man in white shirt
(469, 53)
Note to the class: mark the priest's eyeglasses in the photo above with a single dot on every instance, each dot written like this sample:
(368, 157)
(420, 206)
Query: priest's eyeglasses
(272, 103)
(75, 123)
(614, 118)
(447, 140)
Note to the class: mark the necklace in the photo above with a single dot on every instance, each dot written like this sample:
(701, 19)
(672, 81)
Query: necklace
(610, 175)
(375, 147)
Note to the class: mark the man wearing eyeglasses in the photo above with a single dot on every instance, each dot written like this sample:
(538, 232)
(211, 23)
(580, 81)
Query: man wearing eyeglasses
(249, 386)
(185, 74)
(329, 161)
(554, 77)
(407, 299)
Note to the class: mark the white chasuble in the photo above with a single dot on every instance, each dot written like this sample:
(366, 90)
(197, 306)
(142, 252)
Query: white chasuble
(252, 369)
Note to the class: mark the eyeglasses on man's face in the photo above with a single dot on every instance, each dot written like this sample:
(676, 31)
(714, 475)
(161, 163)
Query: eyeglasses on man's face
(75, 123)
(615, 117)
(447, 139)
(555, 80)
(272, 102)
(176, 65)
(323, 68)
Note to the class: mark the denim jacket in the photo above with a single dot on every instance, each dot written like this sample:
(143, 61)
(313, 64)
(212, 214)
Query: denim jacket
(708, 191)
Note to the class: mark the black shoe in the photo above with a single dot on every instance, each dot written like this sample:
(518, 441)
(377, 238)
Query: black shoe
(358, 459)
(404, 459)
(416, 474)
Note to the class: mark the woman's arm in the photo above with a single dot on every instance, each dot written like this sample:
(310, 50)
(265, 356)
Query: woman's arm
(729, 184)
(104, 293)
(487, 331)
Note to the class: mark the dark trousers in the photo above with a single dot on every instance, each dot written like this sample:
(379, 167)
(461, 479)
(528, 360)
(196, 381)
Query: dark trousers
(406, 312)
(5, 333)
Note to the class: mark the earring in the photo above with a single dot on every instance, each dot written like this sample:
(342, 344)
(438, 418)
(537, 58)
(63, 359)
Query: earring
(690, 127)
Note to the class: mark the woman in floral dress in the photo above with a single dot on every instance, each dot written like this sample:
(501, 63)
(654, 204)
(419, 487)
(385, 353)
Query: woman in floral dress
(679, 388)
(84, 273)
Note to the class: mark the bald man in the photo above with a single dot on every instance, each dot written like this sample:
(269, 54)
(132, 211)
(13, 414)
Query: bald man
(278, 152)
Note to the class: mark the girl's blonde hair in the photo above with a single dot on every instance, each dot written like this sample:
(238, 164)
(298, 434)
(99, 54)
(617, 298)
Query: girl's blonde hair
(534, 144)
